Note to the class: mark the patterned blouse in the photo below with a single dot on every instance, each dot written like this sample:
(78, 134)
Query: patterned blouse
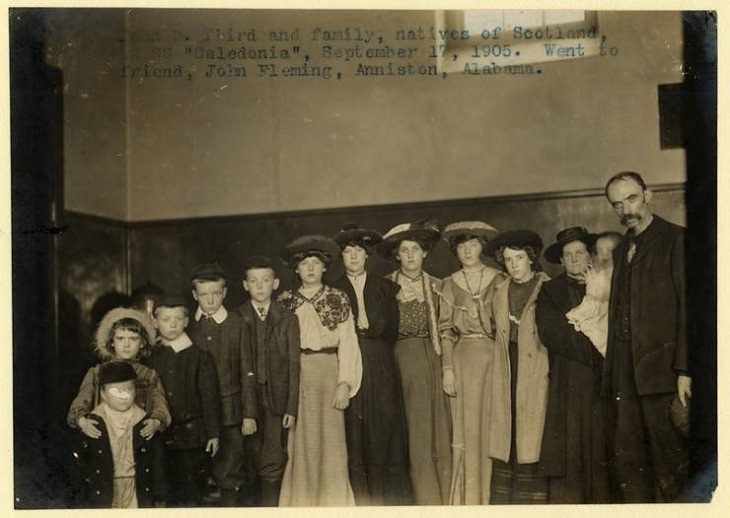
(326, 321)
(413, 319)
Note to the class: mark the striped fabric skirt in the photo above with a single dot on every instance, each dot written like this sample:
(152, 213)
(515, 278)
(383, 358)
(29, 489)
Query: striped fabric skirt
(514, 483)
(316, 473)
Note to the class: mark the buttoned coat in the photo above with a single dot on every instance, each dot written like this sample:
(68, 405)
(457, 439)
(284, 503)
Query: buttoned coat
(658, 309)
(234, 365)
(281, 355)
(532, 380)
(573, 445)
(92, 458)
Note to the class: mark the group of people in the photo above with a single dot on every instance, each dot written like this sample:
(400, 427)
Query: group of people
(493, 385)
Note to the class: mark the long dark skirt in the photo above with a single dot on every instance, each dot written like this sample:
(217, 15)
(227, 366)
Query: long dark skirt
(428, 418)
(376, 431)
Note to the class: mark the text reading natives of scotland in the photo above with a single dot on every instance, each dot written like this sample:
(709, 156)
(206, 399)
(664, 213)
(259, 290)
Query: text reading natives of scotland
(256, 53)
(496, 33)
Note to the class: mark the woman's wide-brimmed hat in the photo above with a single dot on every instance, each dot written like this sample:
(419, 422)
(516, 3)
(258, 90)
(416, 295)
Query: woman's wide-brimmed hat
(514, 238)
(310, 243)
(425, 231)
(471, 228)
(554, 252)
(115, 315)
(352, 233)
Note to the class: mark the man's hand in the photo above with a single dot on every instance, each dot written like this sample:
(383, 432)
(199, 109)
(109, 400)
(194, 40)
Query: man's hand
(342, 397)
(684, 389)
(212, 446)
(249, 426)
(88, 427)
(288, 421)
(151, 426)
(449, 382)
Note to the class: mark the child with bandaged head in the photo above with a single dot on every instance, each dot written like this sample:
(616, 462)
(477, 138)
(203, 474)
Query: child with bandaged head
(124, 334)
(116, 464)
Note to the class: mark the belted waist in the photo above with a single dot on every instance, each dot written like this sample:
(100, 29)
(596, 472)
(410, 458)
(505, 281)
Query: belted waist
(325, 350)
(403, 337)
(474, 335)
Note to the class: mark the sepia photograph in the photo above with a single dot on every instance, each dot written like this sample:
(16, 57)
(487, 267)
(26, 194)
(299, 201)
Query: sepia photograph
(362, 258)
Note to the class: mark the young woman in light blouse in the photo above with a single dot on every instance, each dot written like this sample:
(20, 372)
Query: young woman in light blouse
(467, 339)
(330, 374)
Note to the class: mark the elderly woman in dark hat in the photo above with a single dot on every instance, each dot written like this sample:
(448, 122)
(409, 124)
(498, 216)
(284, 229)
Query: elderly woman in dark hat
(374, 421)
(573, 454)
(418, 356)
(330, 374)
(519, 373)
(468, 351)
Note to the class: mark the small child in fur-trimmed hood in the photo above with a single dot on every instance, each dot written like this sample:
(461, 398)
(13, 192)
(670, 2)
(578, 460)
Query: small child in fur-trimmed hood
(123, 334)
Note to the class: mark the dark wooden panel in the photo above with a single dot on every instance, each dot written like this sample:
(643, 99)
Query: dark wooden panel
(164, 253)
(92, 279)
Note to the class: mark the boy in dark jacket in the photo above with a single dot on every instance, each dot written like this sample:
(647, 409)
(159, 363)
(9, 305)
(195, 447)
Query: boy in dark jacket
(273, 334)
(191, 383)
(116, 466)
(219, 332)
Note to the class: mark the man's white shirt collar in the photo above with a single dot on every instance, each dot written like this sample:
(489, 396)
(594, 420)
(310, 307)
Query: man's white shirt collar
(180, 343)
(219, 316)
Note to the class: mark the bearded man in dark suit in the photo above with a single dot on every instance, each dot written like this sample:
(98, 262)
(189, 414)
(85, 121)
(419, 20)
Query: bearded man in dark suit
(646, 377)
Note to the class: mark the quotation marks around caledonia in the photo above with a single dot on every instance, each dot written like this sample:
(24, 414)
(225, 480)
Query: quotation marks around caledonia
(354, 52)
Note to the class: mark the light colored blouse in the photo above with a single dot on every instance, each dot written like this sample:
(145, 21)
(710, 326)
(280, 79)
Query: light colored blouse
(332, 326)
(463, 313)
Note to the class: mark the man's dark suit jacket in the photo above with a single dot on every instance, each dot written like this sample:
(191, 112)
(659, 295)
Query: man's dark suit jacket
(658, 310)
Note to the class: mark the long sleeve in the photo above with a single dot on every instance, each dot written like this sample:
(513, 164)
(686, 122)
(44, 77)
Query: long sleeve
(209, 393)
(248, 376)
(158, 407)
(557, 333)
(83, 403)
(446, 328)
(390, 334)
(292, 347)
(348, 355)
(681, 353)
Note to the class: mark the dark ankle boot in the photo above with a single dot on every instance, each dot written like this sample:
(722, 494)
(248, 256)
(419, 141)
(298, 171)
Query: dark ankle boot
(229, 498)
(270, 493)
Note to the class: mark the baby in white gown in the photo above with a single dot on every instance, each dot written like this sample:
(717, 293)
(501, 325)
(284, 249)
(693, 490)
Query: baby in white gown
(591, 316)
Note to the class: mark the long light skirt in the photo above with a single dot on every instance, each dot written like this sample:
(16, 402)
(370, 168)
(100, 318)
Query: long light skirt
(472, 468)
(316, 473)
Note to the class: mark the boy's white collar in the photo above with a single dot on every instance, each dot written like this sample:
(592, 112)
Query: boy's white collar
(219, 316)
(180, 343)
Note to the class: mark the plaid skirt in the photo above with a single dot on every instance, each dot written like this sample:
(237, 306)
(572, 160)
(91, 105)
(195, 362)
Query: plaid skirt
(514, 483)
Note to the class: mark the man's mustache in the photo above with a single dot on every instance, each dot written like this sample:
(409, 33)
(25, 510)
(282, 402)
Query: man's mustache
(629, 217)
